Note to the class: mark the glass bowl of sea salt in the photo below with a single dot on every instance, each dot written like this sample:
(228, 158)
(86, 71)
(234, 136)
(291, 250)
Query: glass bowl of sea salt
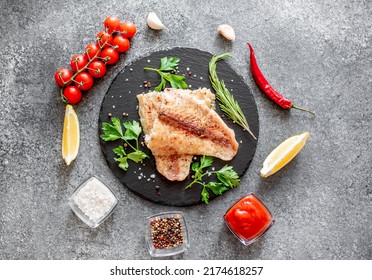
(93, 202)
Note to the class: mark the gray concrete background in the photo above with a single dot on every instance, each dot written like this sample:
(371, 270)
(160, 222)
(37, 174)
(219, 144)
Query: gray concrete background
(316, 52)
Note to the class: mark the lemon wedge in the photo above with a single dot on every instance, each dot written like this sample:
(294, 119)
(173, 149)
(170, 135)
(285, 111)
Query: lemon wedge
(283, 154)
(70, 136)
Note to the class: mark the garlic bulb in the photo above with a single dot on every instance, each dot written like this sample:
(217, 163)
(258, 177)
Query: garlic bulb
(226, 31)
(154, 22)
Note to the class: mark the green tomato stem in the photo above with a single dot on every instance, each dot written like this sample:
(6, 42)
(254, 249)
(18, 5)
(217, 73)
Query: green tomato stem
(83, 69)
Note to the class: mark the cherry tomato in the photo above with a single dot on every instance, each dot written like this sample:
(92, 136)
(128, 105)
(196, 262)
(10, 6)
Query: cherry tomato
(121, 43)
(62, 75)
(83, 81)
(72, 94)
(110, 55)
(97, 69)
(103, 37)
(128, 29)
(78, 62)
(111, 24)
(91, 50)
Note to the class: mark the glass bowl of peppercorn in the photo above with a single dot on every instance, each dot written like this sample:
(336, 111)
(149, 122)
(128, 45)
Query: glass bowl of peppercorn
(166, 234)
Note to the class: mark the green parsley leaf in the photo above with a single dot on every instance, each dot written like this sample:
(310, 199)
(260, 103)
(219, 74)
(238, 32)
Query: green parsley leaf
(226, 176)
(123, 163)
(162, 85)
(195, 166)
(137, 156)
(114, 131)
(176, 81)
(216, 187)
(133, 130)
(206, 161)
(168, 66)
(169, 63)
(205, 196)
(119, 151)
(117, 125)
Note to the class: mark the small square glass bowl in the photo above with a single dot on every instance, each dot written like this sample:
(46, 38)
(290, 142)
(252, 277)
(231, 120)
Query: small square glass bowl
(166, 234)
(93, 202)
(248, 219)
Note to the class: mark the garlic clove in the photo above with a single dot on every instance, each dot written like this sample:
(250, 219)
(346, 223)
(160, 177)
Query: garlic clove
(226, 31)
(154, 22)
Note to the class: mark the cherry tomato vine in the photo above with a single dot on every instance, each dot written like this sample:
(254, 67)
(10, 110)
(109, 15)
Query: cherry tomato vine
(111, 41)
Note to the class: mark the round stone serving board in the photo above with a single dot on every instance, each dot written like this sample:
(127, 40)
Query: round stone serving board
(143, 179)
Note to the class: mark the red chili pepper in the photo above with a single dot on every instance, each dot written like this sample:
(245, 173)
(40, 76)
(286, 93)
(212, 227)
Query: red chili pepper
(264, 86)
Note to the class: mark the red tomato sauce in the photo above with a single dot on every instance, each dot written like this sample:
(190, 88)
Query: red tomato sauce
(248, 218)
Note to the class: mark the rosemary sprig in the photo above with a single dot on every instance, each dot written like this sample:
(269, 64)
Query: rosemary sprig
(228, 104)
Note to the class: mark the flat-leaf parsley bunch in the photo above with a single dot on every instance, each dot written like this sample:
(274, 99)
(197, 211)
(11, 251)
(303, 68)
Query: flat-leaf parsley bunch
(114, 131)
(227, 178)
(168, 66)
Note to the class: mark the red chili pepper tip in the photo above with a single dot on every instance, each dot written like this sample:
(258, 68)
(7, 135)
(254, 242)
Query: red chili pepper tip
(266, 88)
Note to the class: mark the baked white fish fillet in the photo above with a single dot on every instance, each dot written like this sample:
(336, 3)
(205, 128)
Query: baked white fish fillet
(181, 123)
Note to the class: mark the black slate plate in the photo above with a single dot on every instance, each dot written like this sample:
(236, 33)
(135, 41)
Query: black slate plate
(121, 98)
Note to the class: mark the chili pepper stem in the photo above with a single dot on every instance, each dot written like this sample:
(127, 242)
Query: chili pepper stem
(302, 109)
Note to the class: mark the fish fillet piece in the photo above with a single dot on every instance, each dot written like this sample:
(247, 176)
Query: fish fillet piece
(150, 103)
(181, 123)
(174, 167)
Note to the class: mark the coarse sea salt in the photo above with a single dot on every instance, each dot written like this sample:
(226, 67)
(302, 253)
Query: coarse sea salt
(94, 199)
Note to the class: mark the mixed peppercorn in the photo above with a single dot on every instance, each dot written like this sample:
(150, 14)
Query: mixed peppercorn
(166, 233)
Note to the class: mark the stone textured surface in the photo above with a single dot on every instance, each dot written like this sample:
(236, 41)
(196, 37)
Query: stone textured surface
(316, 52)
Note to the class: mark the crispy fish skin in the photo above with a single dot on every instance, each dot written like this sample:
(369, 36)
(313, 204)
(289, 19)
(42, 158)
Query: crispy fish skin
(181, 123)
(150, 103)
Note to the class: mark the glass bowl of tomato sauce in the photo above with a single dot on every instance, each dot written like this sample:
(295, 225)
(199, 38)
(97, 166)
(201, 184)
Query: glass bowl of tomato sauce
(248, 219)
